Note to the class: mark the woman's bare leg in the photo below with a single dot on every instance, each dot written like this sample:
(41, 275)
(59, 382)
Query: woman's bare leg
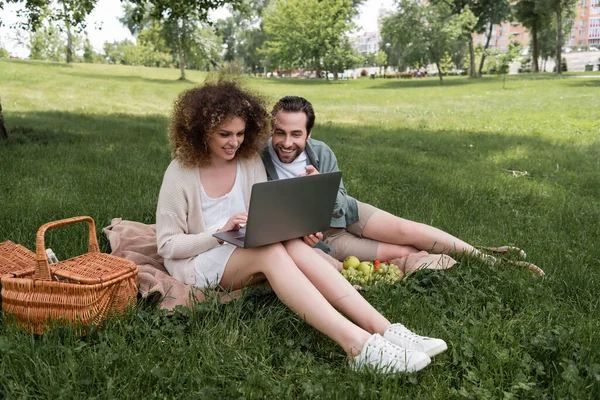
(385, 227)
(247, 266)
(335, 287)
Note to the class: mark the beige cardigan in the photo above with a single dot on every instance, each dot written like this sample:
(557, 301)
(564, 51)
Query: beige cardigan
(180, 230)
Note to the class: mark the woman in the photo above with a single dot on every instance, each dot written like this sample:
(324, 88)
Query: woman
(216, 134)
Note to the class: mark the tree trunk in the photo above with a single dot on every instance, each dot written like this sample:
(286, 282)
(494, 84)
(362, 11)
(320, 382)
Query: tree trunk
(535, 51)
(335, 75)
(559, 39)
(3, 132)
(472, 72)
(487, 45)
(181, 62)
(69, 45)
(437, 64)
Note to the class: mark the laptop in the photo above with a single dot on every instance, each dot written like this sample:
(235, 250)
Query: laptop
(287, 209)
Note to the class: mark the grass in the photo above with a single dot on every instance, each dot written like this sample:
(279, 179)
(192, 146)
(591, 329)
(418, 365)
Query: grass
(91, 140)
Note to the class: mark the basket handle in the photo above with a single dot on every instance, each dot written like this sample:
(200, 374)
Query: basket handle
(42, 269)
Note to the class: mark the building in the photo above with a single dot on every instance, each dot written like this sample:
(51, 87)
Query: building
(503, 34)
(585, 30)
(367, 43)
(586, 27)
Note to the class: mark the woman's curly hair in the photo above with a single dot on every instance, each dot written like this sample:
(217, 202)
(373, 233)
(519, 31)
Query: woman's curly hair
(198, 112)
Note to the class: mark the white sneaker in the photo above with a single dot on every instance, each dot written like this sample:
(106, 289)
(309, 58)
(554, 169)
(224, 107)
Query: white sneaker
(387, 357)
(399, 335)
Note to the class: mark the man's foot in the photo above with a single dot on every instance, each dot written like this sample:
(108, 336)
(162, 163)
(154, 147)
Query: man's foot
(509, 251)
(399, 335)
(384, 356)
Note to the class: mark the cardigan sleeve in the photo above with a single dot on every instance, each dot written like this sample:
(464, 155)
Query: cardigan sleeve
(173, 237)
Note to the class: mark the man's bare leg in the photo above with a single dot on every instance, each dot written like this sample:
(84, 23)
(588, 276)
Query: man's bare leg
(404, 236)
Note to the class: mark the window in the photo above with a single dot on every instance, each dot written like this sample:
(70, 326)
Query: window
(581, 33)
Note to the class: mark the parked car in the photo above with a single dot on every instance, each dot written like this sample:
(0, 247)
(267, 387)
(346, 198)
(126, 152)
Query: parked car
(566, 50)
(593, 48)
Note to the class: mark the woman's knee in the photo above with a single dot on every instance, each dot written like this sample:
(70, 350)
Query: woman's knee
(274, 256)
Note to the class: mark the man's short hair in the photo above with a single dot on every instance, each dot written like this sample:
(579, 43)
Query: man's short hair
(296, 104)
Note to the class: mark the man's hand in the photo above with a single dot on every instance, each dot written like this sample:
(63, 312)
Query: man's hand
(313, 239)
(310, 170)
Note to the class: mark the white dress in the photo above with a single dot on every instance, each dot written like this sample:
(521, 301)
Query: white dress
(210, 265)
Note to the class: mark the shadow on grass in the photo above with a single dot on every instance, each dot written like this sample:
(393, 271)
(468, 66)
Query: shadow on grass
(96, 155)
(54, 128)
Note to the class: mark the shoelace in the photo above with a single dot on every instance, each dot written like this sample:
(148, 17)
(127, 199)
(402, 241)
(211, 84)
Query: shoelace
(406, 333)
(389, 349)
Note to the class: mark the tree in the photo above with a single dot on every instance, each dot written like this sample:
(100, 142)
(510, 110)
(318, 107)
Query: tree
(503, 60)
(381, 59)
(486, 14)
(180, 20)
(243, 34)
(560, 9)
(534, 15)
(47, 43)
(3, 132)
(422, 34)
(316, 41)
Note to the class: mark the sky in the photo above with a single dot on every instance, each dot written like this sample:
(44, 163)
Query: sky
(103, 23)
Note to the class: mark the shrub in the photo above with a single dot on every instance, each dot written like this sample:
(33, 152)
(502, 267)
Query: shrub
(363, 72)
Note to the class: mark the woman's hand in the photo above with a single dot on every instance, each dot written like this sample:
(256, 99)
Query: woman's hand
(234, 223)
(312, 239)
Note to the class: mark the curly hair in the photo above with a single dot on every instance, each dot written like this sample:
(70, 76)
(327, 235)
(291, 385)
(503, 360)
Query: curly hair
(198, 112)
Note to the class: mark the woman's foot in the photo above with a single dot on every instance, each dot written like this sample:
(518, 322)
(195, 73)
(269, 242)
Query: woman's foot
(403, 337)
(385, 356)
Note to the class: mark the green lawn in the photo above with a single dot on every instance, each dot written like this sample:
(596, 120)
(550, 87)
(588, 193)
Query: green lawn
(92, 140)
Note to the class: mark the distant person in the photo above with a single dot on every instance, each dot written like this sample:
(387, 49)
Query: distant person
(216, 132)
(357, 228)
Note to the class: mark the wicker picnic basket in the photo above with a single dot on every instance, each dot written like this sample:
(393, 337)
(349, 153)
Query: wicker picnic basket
(84, 289)
(16, 261)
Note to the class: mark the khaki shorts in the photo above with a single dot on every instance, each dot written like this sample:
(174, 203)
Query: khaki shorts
(349, 241)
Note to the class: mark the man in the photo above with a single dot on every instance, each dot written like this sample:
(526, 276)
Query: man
(357, 228)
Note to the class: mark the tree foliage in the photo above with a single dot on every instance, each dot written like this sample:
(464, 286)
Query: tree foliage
(180, 24)
(423, 34)
(486, 14)
(243, 34)
(534, 15)
(317, 40)
(560, 8)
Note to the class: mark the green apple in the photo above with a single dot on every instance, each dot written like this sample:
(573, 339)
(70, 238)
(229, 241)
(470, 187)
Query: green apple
(351, 262)
(365, 267)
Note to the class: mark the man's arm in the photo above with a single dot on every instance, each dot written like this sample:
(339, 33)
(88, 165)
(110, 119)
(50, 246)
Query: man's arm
(328, 163)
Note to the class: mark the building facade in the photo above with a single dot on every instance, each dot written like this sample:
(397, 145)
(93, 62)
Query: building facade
(585, 30)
